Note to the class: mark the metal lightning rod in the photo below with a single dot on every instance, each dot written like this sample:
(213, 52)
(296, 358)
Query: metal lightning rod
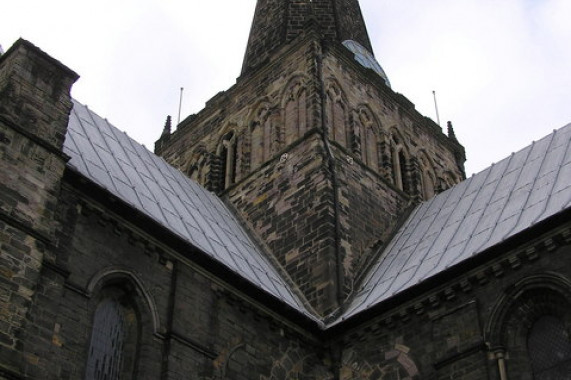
(436, 107)
(180, 105)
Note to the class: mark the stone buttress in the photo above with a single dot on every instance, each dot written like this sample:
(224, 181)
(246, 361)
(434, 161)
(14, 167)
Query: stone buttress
(34, 109)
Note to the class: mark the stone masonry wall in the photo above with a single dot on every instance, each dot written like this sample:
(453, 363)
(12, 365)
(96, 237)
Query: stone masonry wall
(236, 110)
(267, 32)
(295, 205)
(389, 115)
(445, 333)
(287, 200)
(290, 206)
(370, 209)
(277, 23)
(364, 116)
(192, 325)
(34, 108)
(351, 23)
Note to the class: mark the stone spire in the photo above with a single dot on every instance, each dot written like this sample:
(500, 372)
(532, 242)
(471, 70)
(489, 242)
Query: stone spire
(167, 130)
(277, 22)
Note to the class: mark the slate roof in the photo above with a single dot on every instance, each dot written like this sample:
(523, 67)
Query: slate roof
(490, 207)
(115, 162)
(485, 210)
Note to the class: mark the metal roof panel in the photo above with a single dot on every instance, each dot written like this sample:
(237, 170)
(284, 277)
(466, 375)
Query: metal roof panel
(129, 171)
(492, 206)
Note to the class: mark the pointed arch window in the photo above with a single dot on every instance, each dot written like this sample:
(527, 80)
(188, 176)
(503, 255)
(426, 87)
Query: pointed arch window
(263, 136)
(427, 177)
(295, 113)
(369, 139)
(399, 162)
(114, 339)
(336, 116)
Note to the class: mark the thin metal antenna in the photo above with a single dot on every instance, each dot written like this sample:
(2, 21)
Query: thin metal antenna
(180, 105)
(436, 107)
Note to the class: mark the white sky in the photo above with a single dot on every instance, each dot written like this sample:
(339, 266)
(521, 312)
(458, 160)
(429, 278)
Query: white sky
(501, 69)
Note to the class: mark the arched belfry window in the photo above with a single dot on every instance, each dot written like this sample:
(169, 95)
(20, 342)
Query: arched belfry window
(549, 349)
(113, 347)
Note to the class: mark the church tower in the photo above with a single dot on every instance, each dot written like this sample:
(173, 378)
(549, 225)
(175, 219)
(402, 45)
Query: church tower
(312, 148)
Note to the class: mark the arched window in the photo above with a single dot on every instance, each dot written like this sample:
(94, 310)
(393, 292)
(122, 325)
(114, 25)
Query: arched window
(549, 349)
(372, 151)
(257, 145)
(428, 179)
(528, 330)
(336, 115)
(399, 162)
(112, 350)
(226, 154)
(369, 139)
(263, 137)
(295, 113)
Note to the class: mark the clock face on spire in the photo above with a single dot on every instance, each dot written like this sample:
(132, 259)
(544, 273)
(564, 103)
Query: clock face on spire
(366, 59)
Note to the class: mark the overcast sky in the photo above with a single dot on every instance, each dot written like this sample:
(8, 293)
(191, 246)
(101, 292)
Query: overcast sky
(501, 68)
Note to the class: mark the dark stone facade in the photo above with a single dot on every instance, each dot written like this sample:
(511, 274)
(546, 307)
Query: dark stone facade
(322, 162)
(323, 191)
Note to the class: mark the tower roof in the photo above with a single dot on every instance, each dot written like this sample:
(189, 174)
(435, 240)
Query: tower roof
(277, 22)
